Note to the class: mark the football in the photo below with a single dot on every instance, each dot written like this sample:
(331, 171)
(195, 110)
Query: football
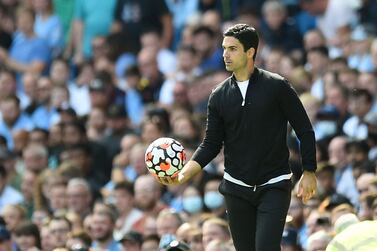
(165, 157)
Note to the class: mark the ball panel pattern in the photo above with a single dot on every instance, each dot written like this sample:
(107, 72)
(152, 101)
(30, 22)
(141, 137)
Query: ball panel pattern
(165, 157)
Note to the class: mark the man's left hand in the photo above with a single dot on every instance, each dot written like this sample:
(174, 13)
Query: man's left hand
(307, 186)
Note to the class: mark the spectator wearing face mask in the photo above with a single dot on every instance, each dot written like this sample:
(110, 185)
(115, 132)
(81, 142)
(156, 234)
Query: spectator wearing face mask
(213, 199)
(192, 202)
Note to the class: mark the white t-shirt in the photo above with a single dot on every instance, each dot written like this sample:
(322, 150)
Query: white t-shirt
(243, 87)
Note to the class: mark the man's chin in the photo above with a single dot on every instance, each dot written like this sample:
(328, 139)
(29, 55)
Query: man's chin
(228, 68)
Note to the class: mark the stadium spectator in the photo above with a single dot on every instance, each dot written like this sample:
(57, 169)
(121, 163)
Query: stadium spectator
(124, 202)
(83, 92)
(48, 26)
(28, 53)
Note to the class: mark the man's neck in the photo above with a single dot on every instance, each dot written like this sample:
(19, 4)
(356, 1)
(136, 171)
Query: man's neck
(244, 74)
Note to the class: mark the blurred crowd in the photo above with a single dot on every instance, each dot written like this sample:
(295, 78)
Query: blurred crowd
(87, 85)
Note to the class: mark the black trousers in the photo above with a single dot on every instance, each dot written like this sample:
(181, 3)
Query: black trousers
(257, 218)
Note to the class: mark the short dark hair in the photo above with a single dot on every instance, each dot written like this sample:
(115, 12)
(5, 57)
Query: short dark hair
(151, 29)
(151, 237)
(357, 93)
(13, 98)
(132, 70)
(29, 229)
(125, 186)
(246, 34)
(105, 77)
(323, 50)
(83, 147)
(77, 125)
(204, 29)
(41, 130)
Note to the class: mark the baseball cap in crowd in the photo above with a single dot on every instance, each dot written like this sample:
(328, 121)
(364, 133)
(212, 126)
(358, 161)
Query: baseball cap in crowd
(97, 85)
(176, 245)
(4, 233)
(116, 111)
(132, 236)
(289, 237)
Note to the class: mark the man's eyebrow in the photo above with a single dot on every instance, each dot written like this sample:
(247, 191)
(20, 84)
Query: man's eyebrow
(230, 46)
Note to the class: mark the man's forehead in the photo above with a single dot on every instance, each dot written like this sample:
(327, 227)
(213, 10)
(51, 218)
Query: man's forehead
(230, 41)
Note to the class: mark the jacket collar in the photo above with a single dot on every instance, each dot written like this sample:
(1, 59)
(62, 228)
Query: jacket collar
(252, 78)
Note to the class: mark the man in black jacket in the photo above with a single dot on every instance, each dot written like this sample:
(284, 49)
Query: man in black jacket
(248, 113)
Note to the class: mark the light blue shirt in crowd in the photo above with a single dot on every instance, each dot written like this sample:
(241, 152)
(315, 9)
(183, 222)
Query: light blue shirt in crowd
(28, 50)
(113, 246)
(134, 106)
(22, 122)
(44, 118)
(346, 185)
(50, 29)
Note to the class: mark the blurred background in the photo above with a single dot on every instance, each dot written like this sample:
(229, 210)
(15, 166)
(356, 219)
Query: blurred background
(87, 85)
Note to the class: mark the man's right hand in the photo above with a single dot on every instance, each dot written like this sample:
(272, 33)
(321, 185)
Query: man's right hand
(188, 171)
(168, 181)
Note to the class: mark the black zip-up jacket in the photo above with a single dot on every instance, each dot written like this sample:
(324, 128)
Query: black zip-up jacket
(254, 130)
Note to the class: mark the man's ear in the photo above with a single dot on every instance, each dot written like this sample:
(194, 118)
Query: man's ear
(250, 52)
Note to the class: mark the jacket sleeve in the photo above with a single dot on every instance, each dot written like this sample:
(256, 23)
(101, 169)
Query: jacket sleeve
(214, 136)
(299, 120)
